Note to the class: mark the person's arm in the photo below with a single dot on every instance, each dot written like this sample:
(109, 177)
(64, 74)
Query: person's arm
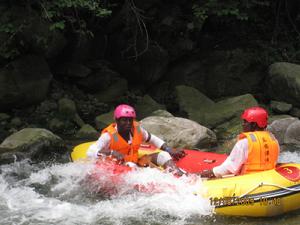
(151, 138)
(101, 145)
(233, 163)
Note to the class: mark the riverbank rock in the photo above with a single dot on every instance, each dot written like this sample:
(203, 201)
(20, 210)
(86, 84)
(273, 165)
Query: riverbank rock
(101, 78)
(113, 91)
(292, 138)
(87, 132)
(192, 102)
(4, 118)
(104, 120)
(67, 108)
(162, 113)
(287, 132)
(139, 63)
(278, 127)
(29, 142)
(219, 73)
(280, 107)
(147, 105)
(73, 70)
(203, 110)
(228, 109)
(284, 82)
(232, 73)
(295, 112)
(179, 132)
(24, 81)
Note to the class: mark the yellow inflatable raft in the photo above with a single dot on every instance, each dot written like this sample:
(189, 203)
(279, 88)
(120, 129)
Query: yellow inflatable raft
(261, 194)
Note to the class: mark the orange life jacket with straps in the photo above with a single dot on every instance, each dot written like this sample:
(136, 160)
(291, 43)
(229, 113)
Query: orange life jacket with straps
(117, 143)
(263, 151)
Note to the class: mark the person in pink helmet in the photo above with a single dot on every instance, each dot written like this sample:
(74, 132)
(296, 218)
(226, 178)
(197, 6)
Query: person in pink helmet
(256, 149)
(123, 138)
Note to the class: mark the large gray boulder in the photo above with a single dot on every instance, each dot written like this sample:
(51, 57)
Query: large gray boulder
(179, 132)
(192, 102)
(87, 132)
(287, 132)
(67, 107)
(279, 127)
(104, 120)
(189, 73)
(139, 62)
(220, 73)
(28, 142)
(228, 109)
(280, 107)
(203, 110)
(232, 72)
(295, 112)
(229, 129)
(162, 113)
(292, 137)
(146, 106)
(113, 91)
(24, 81)
(284, 82)
(73, 70)
(101, 78)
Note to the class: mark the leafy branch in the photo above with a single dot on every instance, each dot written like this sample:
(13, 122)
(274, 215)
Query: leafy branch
(72, 13)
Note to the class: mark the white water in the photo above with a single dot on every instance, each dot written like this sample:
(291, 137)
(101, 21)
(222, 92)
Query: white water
(56, 194)
(59, 194)
(289, 157)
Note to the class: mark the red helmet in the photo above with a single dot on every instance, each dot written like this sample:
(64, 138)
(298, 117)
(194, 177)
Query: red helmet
(256, 114)
(124, 111)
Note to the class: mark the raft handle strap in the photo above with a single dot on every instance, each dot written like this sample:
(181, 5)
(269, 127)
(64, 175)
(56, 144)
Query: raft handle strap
(269, 184)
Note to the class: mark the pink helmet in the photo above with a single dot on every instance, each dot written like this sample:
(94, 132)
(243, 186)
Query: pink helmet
(256, 114)
(124, 111)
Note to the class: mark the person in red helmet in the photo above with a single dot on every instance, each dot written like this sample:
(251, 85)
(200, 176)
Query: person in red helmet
(256, 149)
(122, 139)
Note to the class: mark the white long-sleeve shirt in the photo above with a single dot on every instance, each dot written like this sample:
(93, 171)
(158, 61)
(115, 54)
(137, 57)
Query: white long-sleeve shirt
(234, 162)
(236, 159)
(103, 143)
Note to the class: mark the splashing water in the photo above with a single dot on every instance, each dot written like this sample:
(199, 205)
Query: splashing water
(57, 194)
(46, 194)
(289, 157)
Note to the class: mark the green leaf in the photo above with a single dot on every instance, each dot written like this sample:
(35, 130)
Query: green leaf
(58, 25)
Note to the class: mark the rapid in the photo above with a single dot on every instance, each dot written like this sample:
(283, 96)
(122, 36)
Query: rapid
(56, 192)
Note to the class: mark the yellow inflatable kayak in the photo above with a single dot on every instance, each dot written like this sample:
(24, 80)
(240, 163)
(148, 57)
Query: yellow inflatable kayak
(261, 194)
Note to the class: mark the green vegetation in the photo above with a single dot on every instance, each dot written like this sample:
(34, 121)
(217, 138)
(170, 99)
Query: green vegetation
(72, 13)
(75, 16)
(268, 25)
(9, 32)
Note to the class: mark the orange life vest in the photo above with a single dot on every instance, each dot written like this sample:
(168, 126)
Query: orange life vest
(263, 151)
(117, 143)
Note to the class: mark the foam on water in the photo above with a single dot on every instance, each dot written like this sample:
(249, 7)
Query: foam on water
(289, 157)
(54, 194)
(58, 194)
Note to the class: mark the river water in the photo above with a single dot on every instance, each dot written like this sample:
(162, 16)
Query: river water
(57, 192)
